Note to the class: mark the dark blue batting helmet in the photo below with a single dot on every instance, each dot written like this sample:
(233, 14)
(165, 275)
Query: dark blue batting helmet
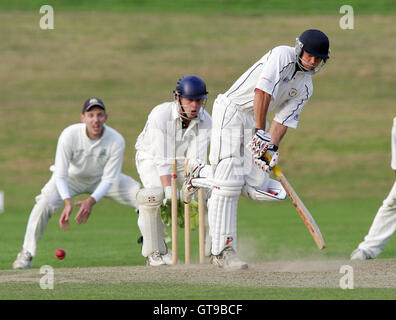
(316, 43)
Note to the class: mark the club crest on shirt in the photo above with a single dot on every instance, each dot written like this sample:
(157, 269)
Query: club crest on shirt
(292, 92)
(102, 153)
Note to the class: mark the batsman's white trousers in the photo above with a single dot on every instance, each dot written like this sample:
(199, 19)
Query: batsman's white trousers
(383, 226)
(49, 201)
(232, 130)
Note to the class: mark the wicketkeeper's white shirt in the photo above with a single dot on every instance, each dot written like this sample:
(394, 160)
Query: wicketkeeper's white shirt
(87, 160)
(275, 74)
(163, 137)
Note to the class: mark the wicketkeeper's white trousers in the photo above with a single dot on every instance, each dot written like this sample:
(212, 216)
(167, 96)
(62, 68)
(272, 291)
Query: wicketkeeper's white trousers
(383, 226)
(152, 228)
(49, 201)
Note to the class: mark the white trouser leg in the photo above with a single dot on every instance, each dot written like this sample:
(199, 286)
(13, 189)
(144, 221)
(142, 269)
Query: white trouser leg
(124, 191)
(232, 165)
(47, 203)
(383, 227)
(38, 220)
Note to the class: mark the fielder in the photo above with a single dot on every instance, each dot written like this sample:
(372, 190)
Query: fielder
(178, 129)
(280, 80)
(88, 159)
(384, 224)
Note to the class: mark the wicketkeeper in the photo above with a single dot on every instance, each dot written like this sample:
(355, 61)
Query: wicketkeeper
(177, 129)
(281, 81)
(88, 159)
(384, 224)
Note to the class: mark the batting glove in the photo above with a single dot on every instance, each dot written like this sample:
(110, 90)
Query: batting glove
(263, 163)
(260, 143)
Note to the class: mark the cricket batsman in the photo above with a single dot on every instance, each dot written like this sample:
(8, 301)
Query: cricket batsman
(281, 80)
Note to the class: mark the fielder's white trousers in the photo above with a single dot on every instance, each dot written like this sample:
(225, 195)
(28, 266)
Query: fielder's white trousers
(383, 226)
(232, 167)
(49, 201)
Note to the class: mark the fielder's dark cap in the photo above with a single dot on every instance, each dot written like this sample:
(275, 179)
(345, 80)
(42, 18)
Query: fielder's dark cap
(93, 102)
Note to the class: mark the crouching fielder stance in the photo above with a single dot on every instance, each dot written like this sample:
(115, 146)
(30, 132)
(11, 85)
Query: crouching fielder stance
(179, 129)
(280, 80)
(384, 224)
(88, 159)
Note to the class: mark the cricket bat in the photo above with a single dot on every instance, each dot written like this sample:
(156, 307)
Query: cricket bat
(301, 208)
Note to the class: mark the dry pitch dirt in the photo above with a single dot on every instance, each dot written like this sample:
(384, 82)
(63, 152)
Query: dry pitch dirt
(297, 274)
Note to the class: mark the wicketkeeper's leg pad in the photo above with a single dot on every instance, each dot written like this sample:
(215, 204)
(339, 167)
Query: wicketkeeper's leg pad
(150, 223)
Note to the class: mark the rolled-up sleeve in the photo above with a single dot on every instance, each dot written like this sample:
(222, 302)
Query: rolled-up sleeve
(271, 73)
(288, 113)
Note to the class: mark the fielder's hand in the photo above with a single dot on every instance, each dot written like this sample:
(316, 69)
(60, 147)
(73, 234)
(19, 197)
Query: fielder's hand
(85, 210)
(64, 219)
(264, 164)
(260, 143)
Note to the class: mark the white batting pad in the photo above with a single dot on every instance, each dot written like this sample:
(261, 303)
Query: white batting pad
(223, 204)
(150, 223)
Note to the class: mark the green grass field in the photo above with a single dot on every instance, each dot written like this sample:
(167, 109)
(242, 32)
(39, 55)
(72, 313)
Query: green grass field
(131, 56)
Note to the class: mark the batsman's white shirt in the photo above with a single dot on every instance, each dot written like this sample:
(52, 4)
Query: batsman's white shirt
(233, 127)
(163, 138)
(89, 160)
(275, 73)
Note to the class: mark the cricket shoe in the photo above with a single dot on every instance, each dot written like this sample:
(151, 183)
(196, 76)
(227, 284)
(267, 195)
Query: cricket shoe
(192, 172)
(228, 259)
(154, 259)
(359, 254)
(167, 258)
(23, 260)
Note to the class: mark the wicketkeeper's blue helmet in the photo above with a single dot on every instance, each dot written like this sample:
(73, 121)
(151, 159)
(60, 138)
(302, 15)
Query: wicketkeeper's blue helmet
(191, 87)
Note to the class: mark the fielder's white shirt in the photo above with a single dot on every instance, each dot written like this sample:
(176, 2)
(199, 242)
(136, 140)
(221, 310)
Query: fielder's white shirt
(163, 137)
(275, 74)
(393, 163)
(87, 160)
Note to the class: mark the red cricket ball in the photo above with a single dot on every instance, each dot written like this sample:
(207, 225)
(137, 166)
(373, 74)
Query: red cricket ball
(60, 254)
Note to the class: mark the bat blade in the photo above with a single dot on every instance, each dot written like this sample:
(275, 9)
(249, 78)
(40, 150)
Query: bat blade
(300, 207)
(304, 212)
